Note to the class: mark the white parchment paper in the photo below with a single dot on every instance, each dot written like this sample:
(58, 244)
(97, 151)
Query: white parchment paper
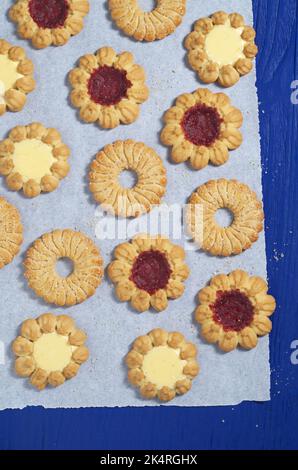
(112, 326)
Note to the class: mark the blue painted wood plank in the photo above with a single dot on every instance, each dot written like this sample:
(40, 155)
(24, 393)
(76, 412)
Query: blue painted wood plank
(269, 425)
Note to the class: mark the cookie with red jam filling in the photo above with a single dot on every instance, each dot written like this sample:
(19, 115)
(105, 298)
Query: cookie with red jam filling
(202, 127)
(49, 22)
(108, 88)
(148, 271)
(234, 310)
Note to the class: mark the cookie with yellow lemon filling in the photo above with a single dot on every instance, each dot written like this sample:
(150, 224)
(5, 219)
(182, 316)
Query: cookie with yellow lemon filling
(16, 77)
(49, 350)
(47, 22)
(162, 364)
(221, 48)
(11, 232)
(33, 159)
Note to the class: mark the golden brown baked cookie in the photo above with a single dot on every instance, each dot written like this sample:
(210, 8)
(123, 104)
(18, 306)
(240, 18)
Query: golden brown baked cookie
(16, 77)
(11, 232)
(221, 48)
(162, 364)
(148, 271)
(33, 159)
(245, 207)
(147, 26)
(202, 127)
(234, 310)
(108, 88)
(49, 350)
(138, 158)
(40, 267)
(47, 22)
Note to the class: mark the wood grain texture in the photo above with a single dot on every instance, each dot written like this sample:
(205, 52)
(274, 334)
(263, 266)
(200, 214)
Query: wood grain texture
(269, 425)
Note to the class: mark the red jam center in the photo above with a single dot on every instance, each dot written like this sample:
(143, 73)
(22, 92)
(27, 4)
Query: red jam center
(201, 125)
(107, 85)
(151, 271)
(49, 13)
(233, 310)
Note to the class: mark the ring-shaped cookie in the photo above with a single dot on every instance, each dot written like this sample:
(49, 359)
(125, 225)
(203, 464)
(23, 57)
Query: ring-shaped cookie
(138, 158)
(243, 204)
(40, 267)
(16, 77)
(33, 159)
(11, 232)
(147, 26)
(108, 88)
(221, 48)
(234, 310)
(162, 364)
(49, 350)
(202, 127)
(148, 271)
(47, 22)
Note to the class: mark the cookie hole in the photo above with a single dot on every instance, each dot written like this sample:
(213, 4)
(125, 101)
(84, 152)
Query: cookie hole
(147, 5)
(224, 217)
(64, 267)
(128, 179)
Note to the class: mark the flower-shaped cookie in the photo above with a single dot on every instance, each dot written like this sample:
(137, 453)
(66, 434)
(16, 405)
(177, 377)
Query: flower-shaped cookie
(49, 350)
(234, 310)
(41, 262)
(132, 156)
(11, 232)
(47, 22)
(16, 77)
(108, 88)
(221, 48)
(244, 206)
(147, 25)
(147, 271)
(34, 159)
(162, 364)
(202, 127)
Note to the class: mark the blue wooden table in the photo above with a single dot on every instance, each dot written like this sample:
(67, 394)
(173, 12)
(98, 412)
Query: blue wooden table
(271, 425)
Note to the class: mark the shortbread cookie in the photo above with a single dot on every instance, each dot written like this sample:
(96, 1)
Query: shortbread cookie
(243, 204)
(33, 159)
(47, 22)
(148, 271)
(16, 77)
(221, 48)
(108, 88)
(147, 26)
(49, 350)
(202, 127)
(40, 267)
(162, 365)
(138, 158)
(234, 310)
(11, 232)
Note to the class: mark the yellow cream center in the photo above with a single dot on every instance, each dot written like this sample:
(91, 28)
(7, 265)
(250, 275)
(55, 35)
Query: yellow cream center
(8, 75)
(52, 352)
(33, 159)
(162, 366)
(224, 44)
